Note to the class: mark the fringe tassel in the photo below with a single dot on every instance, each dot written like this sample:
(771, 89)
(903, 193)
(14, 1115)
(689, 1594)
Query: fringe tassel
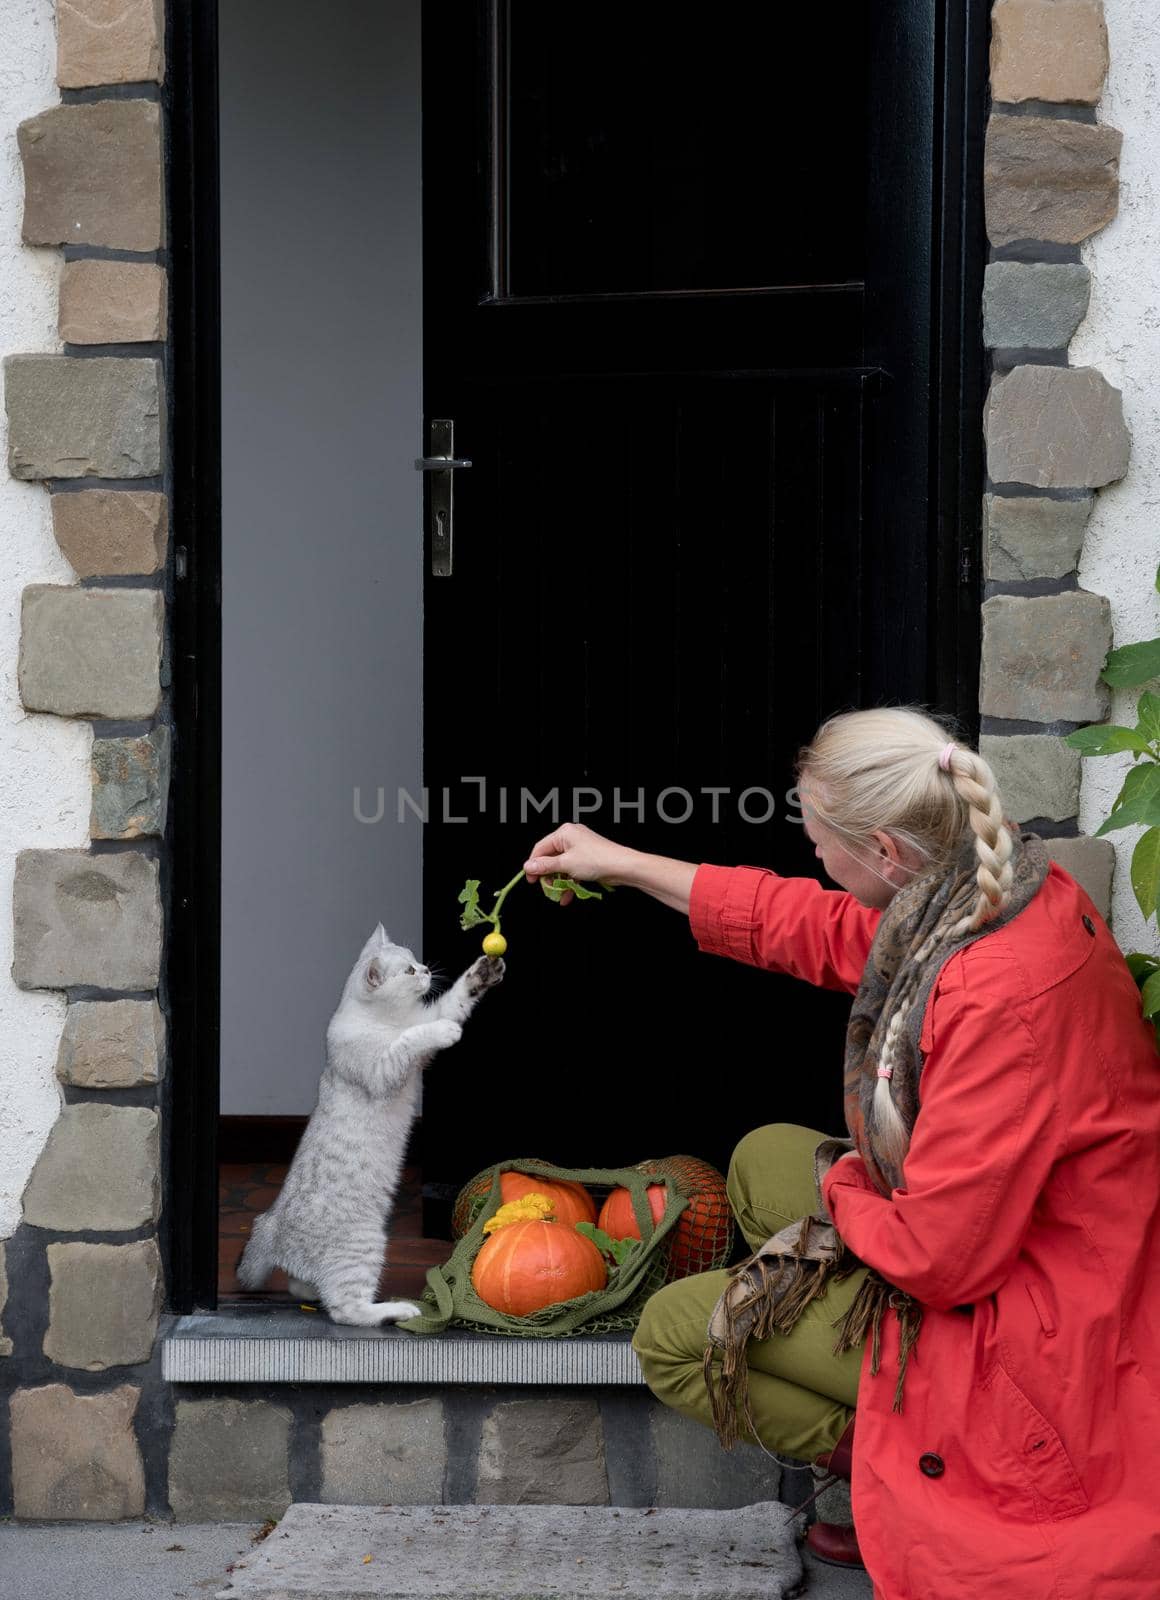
(864, 1317)
(766, 1298)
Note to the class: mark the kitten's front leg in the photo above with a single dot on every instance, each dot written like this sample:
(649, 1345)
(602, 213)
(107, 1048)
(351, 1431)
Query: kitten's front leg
(416, 1044)
(457, 1004)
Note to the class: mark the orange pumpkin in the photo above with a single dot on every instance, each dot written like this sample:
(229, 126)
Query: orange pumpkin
(702, 1236)
(618, 1218)
(572, 1201)
(530, 1265)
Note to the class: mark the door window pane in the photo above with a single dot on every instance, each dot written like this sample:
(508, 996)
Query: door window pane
(651, 148)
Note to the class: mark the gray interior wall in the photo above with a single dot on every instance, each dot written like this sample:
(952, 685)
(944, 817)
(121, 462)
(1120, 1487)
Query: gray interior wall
(321, 560)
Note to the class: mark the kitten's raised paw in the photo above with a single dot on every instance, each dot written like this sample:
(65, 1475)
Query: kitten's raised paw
(445, 1034)
(485, 974)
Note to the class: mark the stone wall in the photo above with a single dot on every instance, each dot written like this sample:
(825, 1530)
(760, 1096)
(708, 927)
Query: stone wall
(1055, 433)
(87, 450)
(1121, 334)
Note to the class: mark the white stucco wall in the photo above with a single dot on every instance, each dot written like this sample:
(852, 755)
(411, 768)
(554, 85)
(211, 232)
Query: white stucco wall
(1121, 336)
(44, 761)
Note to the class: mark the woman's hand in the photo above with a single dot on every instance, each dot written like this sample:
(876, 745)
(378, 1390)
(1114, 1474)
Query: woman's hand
(574, 851)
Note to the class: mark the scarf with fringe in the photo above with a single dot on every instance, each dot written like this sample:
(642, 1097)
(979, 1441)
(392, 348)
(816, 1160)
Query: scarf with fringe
(768, 1293)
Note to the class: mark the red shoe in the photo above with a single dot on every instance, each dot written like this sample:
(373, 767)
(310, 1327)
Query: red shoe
(835, 1543)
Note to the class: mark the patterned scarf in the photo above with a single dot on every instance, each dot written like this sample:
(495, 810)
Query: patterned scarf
(768, 1293)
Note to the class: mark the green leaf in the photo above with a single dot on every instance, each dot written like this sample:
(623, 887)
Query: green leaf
(471, 916)
(1138, 800)
(1132, 664)
(1148, 715)
(1106, 740)
(1158, 580)
(1145, 871)
(1142, 966)
(557, 887)
(1150, 995)
(618, 1250)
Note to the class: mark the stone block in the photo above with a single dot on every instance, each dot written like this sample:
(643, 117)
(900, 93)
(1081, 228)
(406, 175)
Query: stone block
(99, 1171)
(130, 786)
(5, 1342)
(1054, 50)
(1042, 657)
(85, 919)
(384, 1455)
(1033, 305)
(112, 302)
(92, 175)
(229, 1461)
(1055, 428)
(1048, 178)
(530, 1553)
(693, 1470)
(112, 1044)
(1032, 537)
(112, 533)
(75, 1456)
(70, 418)
(91, 652)
(1090, 862)
(109, 41)
(543, 1452)
(103, 1304)
(1037, 774)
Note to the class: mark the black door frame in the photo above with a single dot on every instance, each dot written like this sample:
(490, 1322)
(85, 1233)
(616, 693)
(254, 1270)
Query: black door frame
(924, 287)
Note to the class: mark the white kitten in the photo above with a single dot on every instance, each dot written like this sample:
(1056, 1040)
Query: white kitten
(327, 1228)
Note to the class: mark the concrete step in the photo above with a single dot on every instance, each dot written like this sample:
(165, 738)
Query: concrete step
(522, 1553)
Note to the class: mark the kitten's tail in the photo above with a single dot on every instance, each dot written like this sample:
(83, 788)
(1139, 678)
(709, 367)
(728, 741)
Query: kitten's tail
(258, 1258)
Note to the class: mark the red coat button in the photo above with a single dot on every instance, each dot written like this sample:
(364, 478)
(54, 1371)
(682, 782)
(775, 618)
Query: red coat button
(933, 1466)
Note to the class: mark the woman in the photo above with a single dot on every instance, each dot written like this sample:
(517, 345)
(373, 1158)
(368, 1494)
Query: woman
(999, 1215)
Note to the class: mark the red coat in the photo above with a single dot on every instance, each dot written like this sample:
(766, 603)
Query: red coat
(1025, 1464)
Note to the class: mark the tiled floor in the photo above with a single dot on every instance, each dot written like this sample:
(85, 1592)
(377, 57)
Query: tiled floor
(246, 1190)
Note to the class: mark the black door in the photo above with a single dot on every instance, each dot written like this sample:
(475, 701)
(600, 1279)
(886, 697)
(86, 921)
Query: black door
(645, 316)
(695, 523)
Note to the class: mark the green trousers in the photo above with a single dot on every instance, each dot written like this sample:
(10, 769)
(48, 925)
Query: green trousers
(801, 1394)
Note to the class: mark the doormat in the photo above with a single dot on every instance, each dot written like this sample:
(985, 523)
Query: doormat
(529, 1552)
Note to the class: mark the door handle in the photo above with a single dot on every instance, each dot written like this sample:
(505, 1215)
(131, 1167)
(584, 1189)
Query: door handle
(442, 464)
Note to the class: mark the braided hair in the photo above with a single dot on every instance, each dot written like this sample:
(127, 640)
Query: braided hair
(896, 770)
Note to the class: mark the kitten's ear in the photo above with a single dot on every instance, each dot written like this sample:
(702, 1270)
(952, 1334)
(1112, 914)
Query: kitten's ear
(382, 935)
(376, 972)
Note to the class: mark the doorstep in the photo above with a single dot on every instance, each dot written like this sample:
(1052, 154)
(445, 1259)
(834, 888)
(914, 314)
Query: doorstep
(260, 1344)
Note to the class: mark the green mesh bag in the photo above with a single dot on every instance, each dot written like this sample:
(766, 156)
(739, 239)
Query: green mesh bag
(450, 1301)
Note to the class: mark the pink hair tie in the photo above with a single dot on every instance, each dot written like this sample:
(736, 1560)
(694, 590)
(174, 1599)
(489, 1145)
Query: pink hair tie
(944, 759)
(886, 1072)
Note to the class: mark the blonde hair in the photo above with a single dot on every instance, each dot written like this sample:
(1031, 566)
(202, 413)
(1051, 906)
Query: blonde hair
(896, 770)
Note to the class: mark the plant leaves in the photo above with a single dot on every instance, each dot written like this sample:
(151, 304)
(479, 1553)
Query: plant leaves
(1132, 664)
(1142, 966)
(1145, 872)
(1138, 800)
(557, 887)
(618, 1250)
(1148, 715)
(471, 916)
(1150, 995)
(1107, 739)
